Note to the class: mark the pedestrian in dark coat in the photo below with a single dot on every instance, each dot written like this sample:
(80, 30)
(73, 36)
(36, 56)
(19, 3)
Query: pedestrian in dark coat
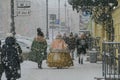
(1, 65)
(81, 44)
(10, 59)
(71, 44)
(65, 38)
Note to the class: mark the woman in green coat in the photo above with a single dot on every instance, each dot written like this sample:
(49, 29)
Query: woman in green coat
(38, 48)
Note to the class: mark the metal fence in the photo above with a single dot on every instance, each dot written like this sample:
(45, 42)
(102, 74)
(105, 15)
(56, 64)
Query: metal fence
(111, 60)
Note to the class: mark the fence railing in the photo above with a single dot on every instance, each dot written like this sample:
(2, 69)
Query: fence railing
(111, 60)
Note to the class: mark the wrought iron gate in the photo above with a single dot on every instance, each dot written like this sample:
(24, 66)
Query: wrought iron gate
(111, 60)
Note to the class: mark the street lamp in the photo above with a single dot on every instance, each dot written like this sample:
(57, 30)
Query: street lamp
(47, 29)
(12, 30)
(65, 14)
(59, 12)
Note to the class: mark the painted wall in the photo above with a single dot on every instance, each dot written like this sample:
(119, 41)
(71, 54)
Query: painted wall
(116, 18)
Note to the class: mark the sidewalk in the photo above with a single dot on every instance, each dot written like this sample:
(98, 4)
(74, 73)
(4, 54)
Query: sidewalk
(86, 71)
(89, 71)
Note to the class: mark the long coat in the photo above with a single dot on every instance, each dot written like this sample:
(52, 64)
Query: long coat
(71, 43)
(81, 45)
(10, 59)
(38, 49)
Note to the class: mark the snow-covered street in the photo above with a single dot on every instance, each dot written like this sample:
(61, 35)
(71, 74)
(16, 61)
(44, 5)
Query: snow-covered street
(87, 71)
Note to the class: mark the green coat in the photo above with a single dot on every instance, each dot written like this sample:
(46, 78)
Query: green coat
(38, 50)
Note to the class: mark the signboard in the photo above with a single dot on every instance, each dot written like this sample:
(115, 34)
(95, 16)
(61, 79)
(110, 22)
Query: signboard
(23, 4)
(52, 16)
(23, 8)
(64, 29)
(57, 21)
(23, 12)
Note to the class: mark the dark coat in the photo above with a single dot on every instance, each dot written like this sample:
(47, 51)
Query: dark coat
(81, 45)
(10, 59)
(71, 43)
(65, 38)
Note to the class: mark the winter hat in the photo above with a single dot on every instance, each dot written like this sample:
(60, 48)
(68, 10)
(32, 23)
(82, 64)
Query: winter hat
(10, 41)
(39, 32)
(71, 34)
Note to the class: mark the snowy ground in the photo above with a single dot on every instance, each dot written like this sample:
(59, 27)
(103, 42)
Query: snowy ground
(87, 71)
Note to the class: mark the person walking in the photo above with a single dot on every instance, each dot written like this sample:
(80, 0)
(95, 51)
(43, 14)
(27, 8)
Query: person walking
(59, 55)
(38, 48)
(71, 44)
(65, 38)
(81, 47)
(10, 58)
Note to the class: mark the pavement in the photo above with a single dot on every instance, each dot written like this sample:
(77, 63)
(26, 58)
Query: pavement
(86, 71)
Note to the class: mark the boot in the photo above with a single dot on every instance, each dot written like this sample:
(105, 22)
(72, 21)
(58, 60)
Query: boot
(79, 60)
(59, 67)
(72, 56)
(82, 61)
(40, 65)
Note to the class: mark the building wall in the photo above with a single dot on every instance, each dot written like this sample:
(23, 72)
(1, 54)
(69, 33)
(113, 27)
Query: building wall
(29, 23)
(5, 16)
(25, 25)
(116, 18)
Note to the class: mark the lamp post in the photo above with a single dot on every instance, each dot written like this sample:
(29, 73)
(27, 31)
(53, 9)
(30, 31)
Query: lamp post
(47, 29)
(65, 13)
(59, 12)
(12, 29)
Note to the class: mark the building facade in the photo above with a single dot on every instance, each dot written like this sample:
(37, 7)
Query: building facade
(116, 19)
(28, 15)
